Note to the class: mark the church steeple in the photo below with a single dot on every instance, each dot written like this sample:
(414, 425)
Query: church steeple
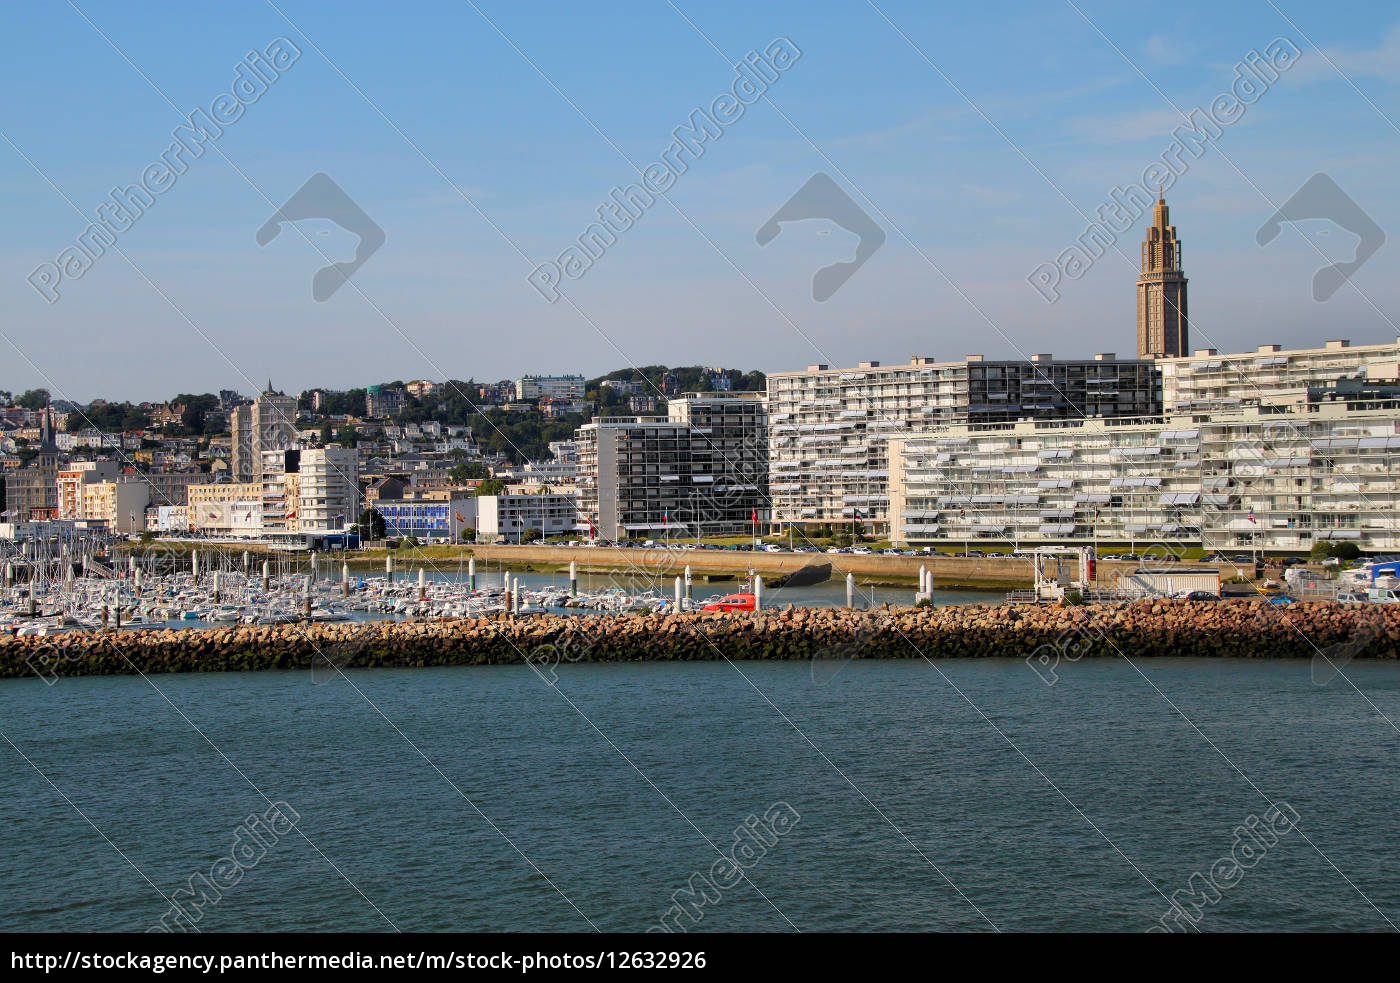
(1161, 288)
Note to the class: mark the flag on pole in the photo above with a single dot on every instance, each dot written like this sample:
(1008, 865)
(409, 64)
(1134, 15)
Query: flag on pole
(1251, 515)
(665, 516)
(755, 517)
(459, 517)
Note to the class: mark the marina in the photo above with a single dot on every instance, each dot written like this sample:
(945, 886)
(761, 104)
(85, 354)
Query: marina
(70, 591)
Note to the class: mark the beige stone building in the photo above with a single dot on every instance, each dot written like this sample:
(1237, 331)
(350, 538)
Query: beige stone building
(1161, 291)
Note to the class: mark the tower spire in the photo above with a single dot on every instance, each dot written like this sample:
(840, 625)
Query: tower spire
(1161, 289)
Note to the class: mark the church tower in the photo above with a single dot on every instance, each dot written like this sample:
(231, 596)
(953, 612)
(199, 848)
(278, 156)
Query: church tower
(1161, 291)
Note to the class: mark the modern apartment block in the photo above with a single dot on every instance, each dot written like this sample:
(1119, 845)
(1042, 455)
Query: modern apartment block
(327, 489)
(227, 508)
(72, 479)
(508, 517)
(729, 436)
(266, 424)
(828, 428)
(118, 503)
(1208, 381)
(1253, 478)
(555, 386)
(695, 472)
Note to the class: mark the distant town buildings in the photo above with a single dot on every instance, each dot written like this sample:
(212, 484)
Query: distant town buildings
(381, 403)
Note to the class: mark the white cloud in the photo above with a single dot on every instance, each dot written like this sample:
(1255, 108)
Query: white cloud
(1380, 62)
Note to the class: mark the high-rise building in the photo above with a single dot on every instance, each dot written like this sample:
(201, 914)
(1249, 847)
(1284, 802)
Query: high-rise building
(1209, 381)
(700, 471)
(266, 424)
(1161, 291)
(829, 427)
(1256, 477)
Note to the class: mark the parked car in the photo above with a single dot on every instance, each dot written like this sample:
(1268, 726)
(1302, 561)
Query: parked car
(862, 551)
(732, 602)
(1292, 561)
(1202, 595)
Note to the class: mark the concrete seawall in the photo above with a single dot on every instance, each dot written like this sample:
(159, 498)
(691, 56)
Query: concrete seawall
(1048, 637)
(949, 572)
(995, 573)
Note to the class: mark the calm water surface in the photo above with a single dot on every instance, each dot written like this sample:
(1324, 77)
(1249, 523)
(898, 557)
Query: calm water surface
(480, 798)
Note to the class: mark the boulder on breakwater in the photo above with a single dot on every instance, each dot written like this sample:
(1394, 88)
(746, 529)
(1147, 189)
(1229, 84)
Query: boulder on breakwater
(1247, 629)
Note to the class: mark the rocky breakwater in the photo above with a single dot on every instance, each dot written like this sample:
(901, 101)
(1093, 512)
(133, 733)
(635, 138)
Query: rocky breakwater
(1045, 635)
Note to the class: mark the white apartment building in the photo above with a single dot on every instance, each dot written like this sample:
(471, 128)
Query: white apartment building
(73, 478)
(555, 386)
(1254, 478)
(509, 516)
(327, 489)
(829, 427)
(1208, 380)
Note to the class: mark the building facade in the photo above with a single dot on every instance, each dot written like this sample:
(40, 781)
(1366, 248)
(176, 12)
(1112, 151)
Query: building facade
(556, 386)
(1208, 381)
(829, 428)
(381, 403)
(510, 516)
(1254, 478)
(427, 520)
(266, 424)
(701, 470)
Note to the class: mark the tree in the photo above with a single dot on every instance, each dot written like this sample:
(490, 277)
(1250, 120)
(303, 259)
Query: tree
(347, 436)
(33, 399)
(531, 535)
(491, 486)
(1321, 550)
(1346, 552)
(465, 471)
(371, 525)
(326, 436)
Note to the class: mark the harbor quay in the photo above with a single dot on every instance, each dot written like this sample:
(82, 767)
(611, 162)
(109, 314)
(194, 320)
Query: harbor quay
(948, 571)
(1049, 638)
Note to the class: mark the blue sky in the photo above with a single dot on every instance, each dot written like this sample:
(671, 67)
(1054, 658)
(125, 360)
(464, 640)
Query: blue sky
(482, 139)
